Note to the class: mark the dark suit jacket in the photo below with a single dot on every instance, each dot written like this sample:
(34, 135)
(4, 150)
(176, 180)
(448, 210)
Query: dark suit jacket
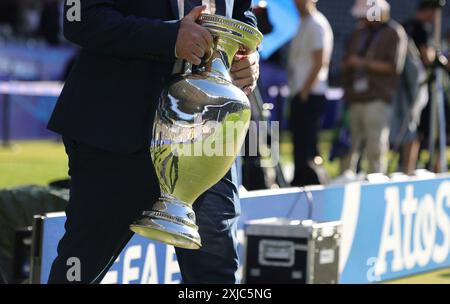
(127, 55)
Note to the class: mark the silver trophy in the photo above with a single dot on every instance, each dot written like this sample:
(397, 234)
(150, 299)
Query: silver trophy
(200, 125)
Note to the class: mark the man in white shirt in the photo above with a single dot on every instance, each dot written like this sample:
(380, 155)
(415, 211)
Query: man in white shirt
(308, 67)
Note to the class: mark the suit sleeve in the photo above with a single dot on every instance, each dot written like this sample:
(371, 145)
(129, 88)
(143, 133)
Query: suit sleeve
(105, 29)
(242, 11)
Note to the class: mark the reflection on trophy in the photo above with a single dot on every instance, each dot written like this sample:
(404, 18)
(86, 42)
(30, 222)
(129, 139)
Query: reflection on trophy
(200, 126)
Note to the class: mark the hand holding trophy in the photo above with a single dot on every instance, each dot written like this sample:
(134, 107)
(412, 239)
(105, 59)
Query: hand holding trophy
(200, 125)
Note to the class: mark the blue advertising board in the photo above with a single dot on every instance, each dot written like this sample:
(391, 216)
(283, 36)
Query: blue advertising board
(390, 230)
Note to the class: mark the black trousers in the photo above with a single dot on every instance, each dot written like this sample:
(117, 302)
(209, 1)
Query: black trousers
(305, 123)
(109, 191)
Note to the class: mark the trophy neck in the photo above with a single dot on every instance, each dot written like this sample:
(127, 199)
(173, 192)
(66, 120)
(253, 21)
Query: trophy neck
(220, 61)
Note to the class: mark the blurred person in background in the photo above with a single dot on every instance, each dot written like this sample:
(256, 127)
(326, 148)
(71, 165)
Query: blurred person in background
(409, 101)
(308, 67)
(9, 17)
(446, 50)
(446, 45)
(446, 53)
(372, 67)
(419, 28)
(413, 92)
(29, 18)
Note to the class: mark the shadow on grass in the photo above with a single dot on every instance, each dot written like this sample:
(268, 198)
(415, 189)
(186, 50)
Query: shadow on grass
(445, 275)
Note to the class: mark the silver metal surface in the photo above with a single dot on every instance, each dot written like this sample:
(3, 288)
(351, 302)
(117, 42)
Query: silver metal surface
(199, 112)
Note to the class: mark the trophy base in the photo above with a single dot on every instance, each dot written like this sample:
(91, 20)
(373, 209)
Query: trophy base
(169, 222)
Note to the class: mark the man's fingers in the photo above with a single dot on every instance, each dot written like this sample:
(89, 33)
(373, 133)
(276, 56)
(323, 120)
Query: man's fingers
(193, 40)
(208, 37)
(244, 73)
(201, 42)
(252, 71)
(196, 12)
(242, 64)
(243, 82)
(202, 37)
(252, 58)
(198, 51)
(249, 57)
(194, 59)
(249, 90)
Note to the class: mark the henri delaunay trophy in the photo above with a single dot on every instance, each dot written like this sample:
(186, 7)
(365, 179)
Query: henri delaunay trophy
(199, 108)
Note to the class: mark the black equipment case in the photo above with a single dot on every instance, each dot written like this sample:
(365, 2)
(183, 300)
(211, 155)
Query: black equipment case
(292, 252)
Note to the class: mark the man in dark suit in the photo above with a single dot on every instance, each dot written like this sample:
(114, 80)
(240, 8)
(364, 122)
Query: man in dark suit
(105, 114)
